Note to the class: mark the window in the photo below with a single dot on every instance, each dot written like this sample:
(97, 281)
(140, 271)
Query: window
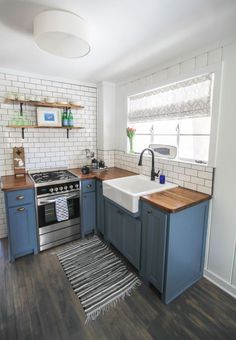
(178, 115)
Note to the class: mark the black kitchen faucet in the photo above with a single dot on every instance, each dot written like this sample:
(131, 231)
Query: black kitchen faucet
(153, 173)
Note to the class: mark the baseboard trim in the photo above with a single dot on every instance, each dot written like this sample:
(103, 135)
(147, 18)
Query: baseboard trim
(219, 282)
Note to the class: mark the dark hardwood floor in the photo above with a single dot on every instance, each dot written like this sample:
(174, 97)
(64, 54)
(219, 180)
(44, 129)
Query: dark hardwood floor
(37, 302)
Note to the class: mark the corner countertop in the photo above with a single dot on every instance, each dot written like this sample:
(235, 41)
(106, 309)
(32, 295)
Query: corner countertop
(174, 200)
(109, 173)
(9, 183)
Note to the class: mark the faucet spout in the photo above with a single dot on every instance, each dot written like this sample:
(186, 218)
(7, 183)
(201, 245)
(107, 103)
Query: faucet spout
(153, 173)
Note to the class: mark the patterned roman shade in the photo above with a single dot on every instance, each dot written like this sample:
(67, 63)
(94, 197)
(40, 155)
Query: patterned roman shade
(186, 99)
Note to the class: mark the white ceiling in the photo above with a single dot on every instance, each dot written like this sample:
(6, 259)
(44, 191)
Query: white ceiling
(127, 36)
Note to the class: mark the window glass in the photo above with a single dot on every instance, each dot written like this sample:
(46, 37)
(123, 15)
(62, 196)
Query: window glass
(194, 148)
(191, 136)
(195, 125)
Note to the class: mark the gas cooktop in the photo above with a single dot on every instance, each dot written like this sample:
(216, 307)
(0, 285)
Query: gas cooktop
(56, 176)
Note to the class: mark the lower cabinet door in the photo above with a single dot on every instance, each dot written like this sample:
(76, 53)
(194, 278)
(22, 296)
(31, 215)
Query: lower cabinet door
(22, 225)
(132, 240)
(154, 245)
(88, 214)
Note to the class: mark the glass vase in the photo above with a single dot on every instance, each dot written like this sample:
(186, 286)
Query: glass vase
(131, 150)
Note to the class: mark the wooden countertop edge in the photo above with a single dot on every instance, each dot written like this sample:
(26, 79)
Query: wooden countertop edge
(162, 206)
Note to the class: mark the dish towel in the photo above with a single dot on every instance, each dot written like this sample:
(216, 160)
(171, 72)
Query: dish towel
(62, 212)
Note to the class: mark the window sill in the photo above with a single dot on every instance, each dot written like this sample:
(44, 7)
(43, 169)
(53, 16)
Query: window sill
(167, 160)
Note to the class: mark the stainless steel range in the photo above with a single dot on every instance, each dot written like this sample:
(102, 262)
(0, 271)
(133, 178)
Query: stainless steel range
(50, 186)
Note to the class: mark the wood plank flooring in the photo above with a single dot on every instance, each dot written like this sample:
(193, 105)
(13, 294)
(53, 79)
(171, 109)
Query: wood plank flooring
(37, 302)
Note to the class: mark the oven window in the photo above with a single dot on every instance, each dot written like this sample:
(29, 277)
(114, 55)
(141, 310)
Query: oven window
(47, 213)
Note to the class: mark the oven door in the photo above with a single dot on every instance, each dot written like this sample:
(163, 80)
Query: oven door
(47, 210)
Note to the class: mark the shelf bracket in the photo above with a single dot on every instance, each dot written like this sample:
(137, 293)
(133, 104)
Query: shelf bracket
(21, 109)
(23, 133)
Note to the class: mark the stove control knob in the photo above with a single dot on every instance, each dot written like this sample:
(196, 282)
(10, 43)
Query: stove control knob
(76, 186)
(60, 188)
(51, 190)
(55, 189)
(65, 187)
(71, 187)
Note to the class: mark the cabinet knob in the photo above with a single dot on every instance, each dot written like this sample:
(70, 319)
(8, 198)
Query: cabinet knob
(89, 186)
(20, 197)
(21, 209)
(149, 212)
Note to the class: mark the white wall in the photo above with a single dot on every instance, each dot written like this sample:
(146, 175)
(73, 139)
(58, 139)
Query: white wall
(44, 147)
(222, 255)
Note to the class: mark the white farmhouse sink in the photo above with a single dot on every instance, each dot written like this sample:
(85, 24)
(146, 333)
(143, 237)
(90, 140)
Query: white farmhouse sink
(126, 191)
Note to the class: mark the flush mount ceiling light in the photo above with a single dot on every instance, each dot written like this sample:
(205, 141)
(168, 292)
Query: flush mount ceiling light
(61, 33)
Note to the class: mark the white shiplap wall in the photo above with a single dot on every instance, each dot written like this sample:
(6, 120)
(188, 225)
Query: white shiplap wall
(45, 148)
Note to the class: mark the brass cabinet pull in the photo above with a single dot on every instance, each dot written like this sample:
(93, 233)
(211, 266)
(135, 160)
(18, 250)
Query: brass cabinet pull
(21, 209)
(20, 197)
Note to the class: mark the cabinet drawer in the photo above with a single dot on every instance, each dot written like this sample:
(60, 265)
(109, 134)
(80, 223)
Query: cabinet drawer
(88, 185)
(20, 197)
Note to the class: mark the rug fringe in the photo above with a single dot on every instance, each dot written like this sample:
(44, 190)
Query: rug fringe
(106, 307)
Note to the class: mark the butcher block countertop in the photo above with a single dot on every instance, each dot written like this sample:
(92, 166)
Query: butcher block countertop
(9, 183)
(109, 173)
(174, 200)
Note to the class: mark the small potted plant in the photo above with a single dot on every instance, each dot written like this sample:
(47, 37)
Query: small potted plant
(130, 134)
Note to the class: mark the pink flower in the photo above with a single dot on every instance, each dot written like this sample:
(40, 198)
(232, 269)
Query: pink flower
(130, 132)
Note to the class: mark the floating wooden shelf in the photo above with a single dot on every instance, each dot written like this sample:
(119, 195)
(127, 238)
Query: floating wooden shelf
(44, 127)
(23, 127)
(43, 104)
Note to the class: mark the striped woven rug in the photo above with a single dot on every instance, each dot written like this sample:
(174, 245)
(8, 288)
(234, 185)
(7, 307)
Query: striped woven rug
(98, 277)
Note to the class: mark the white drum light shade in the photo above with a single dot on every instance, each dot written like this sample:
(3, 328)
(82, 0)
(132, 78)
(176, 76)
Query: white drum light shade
(61, 33)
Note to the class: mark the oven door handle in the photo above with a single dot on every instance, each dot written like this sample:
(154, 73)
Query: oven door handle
(44, 202)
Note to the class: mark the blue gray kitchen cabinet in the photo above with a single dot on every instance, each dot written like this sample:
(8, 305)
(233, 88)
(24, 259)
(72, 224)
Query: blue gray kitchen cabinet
(88, 207)
(123, 231)
(173, 247)
(100, 207)
(21, 222)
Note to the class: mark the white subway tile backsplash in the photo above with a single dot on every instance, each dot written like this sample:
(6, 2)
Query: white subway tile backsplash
(179, 170)
(197, 180)
(184, 178)
(206, 175)
(11, 77)
(191, 172)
